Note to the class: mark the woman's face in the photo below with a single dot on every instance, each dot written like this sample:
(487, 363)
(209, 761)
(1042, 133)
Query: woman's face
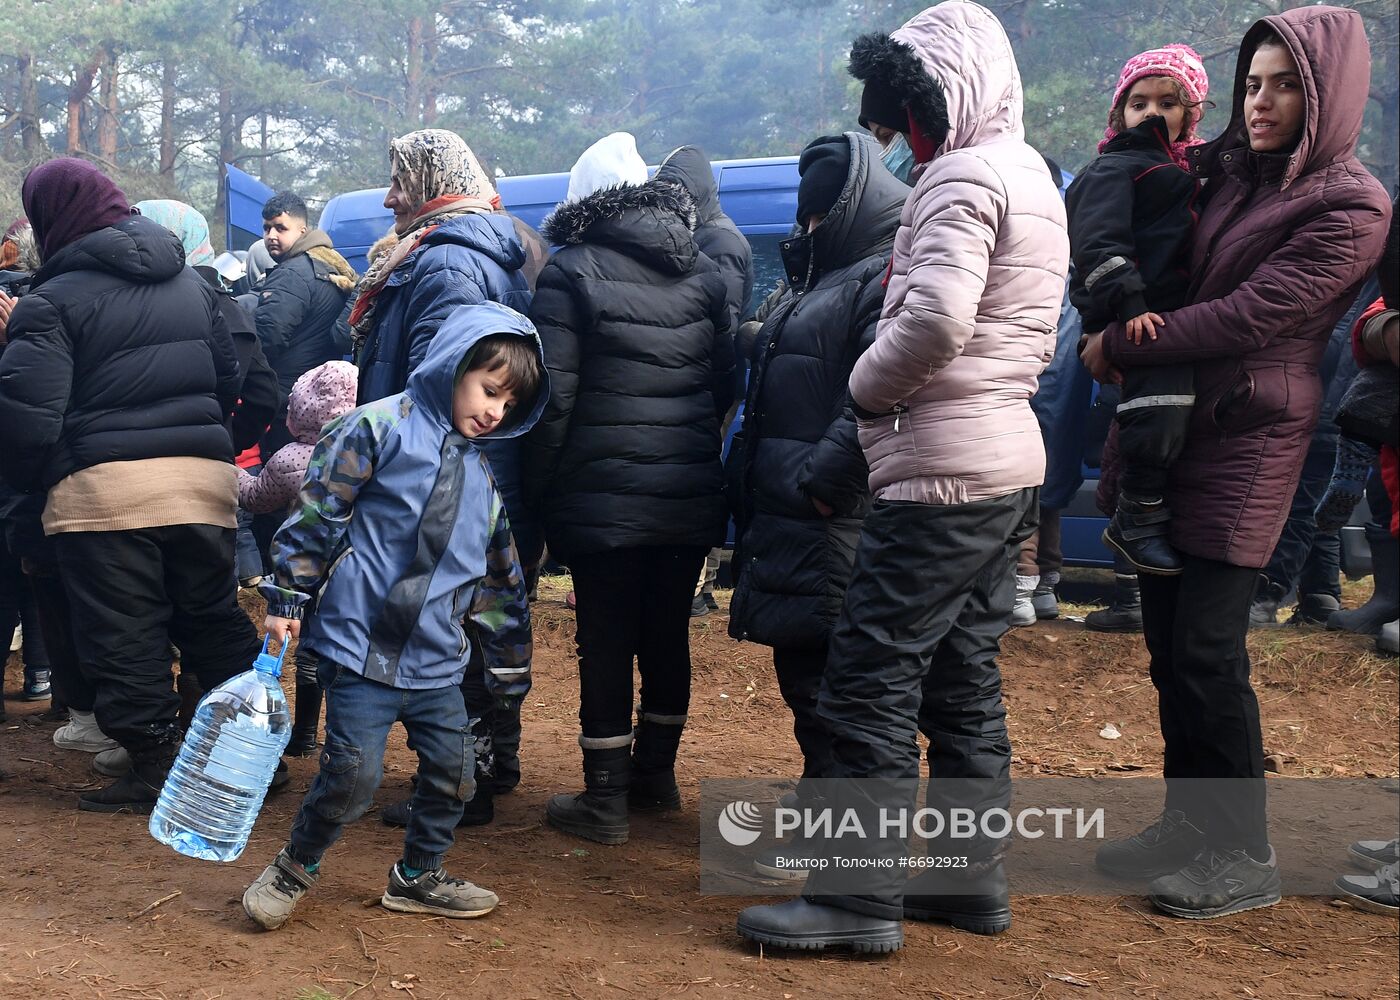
(400, 204)
(1274, 105)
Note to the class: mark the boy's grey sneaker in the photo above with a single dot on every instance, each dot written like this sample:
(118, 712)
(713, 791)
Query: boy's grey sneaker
(1378, 893)
(82, 733)
(1373, 854)
(438, 893)
(274, 894)
(1216, 884)
(1044, 600)
(1166, 846)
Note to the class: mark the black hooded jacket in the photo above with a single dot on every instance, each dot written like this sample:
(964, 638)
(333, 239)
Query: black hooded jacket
(637, 341)
(799, 436)
(715, 233)
(299, 303)
(119, 352)
(1132, 214)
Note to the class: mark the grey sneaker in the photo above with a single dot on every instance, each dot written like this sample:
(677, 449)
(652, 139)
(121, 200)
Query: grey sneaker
(1166, 846)
(1023, 610)
(1378, 893)
(438, 893)
(1218, 883)
(1373, 854)
(1044, 600)
(274, 894)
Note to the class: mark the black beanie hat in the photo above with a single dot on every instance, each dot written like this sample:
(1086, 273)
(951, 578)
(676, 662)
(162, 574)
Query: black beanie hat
(823, 168)
(880, 105)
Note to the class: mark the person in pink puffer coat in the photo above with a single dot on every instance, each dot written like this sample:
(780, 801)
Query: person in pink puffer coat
(942, 399)
(318, 397)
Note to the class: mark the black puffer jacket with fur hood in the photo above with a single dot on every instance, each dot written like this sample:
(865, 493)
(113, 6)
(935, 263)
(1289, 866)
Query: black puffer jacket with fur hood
(635, 328)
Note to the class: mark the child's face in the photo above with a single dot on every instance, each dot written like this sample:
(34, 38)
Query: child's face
(1155, 95)
(481, 401)
(1274, 104)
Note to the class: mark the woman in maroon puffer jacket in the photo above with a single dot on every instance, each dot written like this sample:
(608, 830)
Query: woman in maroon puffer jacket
(1292, 225)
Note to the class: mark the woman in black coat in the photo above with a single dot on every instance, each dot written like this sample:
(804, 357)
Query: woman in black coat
(797, 478)
(624, 465)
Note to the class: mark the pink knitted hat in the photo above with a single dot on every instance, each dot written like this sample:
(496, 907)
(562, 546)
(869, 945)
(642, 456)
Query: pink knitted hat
(1179, 62)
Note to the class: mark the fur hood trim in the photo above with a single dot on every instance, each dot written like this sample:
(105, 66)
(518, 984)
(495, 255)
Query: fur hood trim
(883, 59)
(569, 223)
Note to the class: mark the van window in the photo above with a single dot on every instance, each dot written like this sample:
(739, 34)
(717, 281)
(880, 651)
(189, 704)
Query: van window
(767, 269)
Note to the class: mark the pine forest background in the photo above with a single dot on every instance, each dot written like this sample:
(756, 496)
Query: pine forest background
(305, 93)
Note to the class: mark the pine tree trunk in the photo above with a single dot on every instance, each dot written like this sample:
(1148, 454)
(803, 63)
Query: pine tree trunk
(111, 108)
(31, 139)
(413, 72)
(77, 98)
(167, 118)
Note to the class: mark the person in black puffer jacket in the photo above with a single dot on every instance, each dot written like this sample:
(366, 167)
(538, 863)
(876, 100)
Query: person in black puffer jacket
(299, 302)
(720, 240)
(796, 475)
(624, 465)
(113, 391)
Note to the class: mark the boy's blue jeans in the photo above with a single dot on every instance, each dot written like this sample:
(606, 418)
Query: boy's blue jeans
(359, 714)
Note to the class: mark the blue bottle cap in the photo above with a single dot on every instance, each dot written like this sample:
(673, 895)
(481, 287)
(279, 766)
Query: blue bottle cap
(266, 662)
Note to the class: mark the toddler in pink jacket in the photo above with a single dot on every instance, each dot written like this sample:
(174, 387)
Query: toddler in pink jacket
(318, 397)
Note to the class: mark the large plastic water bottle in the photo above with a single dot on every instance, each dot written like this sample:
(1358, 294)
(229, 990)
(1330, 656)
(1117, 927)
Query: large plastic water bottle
(216, 787)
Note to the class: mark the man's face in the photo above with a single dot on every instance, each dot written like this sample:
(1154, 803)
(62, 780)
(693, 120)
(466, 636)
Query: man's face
(398, 203)
(481, 401)
(281, 233)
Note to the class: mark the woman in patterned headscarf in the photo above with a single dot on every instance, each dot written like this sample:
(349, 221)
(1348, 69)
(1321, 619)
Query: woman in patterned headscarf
(434, 177)
(451, 246)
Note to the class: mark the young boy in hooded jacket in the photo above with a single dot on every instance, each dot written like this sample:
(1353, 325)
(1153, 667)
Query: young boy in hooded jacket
(400, 536)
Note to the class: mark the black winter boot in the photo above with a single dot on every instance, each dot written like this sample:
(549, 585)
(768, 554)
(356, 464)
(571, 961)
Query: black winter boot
(1125, 613)
(980, 903)
(599, 813)
(306, 718)
(1138, 532)
(137, 790)
(653, 787)
(1381, 608)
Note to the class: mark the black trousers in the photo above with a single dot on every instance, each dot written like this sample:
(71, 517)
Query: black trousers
(915, 651)
(800, 671)
(633, 603)
(19, 606)
(132, 594)
(1195, 627)
(1152, 420)
(71, 685)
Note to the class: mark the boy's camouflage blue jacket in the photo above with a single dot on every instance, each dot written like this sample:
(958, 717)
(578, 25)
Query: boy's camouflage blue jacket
(400, 544)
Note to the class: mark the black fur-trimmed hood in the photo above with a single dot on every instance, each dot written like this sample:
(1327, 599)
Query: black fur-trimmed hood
(570, 222)
(881, 59)
(652, 222)
(954, 65)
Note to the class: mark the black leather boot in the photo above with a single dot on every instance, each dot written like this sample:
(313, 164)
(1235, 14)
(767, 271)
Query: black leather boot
(1138, 532)
(1125, 613)
(137, 790)
(653, 787)
(979, 903)
(306, 718)
(599, 813)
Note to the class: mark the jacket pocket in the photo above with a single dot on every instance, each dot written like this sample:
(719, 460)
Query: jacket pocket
(1256, 398)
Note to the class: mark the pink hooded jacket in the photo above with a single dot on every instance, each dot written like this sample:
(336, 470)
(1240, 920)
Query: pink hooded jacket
(974, 289)
(318, 397)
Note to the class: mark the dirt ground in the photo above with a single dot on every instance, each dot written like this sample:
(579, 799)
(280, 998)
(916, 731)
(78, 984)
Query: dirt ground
(94, 908)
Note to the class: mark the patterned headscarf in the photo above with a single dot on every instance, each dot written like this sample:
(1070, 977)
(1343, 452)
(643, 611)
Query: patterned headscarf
(433, 163)
(440, 174)
(1181, 63)
(185, 222)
